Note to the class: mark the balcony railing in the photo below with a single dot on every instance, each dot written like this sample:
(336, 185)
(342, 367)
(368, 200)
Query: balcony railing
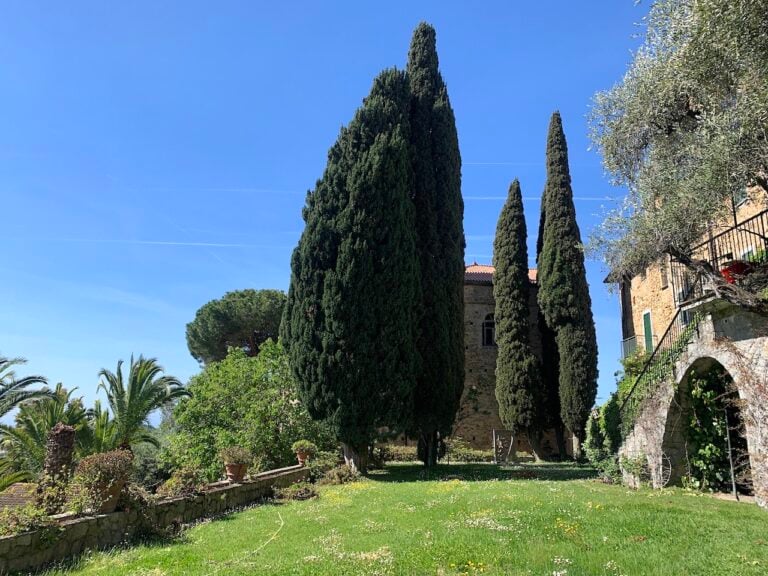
(628, 346)
(732, 252)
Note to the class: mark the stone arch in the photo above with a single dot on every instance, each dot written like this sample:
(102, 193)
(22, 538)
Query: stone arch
(676, 446)
(737, 341)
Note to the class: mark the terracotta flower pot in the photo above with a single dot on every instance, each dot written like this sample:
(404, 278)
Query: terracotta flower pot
(302, 457)
(236, 472)
(110, 494)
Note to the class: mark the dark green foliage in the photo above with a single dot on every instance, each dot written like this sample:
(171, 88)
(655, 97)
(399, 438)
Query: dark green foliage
(712, 397)
(610, 423)
(241, 319)
(563, 292)
(550, 380)
(439, 210)
(518, 376)
(350, 320)
(550, 369)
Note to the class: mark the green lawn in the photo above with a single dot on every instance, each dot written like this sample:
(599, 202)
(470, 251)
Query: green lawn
(466, 519)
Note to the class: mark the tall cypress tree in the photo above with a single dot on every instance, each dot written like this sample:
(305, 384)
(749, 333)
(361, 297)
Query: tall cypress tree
(563, 291)
(550, 369)
(350, 319)
(439, 210)
(518, 376)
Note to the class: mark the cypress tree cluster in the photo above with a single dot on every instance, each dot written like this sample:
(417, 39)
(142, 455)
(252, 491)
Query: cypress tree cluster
(439, 210)
(563, 291)
(374, 319)
(518, 376)
(350, 320)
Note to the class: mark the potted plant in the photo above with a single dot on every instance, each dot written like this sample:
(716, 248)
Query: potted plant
(304, 450)
(236, 460)
(735, 270)
(99, 480)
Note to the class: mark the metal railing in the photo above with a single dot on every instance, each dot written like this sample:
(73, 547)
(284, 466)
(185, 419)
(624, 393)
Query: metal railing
(660, 363)
(732, 252)
(628, 346)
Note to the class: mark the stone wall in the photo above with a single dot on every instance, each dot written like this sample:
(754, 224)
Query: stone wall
(33, 550)
(479, 411)
(737, 340)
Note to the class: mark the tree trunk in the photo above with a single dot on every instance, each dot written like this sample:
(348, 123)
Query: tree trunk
(576, 444)
(560, 440)
(355, 457)
(534, 439)
(428, 448)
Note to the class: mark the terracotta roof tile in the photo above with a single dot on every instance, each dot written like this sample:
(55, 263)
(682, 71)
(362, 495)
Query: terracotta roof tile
(483, 273)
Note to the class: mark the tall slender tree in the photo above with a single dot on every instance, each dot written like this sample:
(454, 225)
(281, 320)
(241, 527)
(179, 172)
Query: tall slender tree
(350, 320)
(564, 293)
(439, 208)
(518, 375)
(550, 368)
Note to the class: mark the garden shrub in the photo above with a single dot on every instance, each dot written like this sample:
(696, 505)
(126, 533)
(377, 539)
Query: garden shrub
(321, 463)
(297, 491)
(459, 450)
(94, 475)
(305, 446)
(343, 474)
(603, 439)
(17, 520)
(186, 481)
(235, 455)
(396, 453)
(243, 401)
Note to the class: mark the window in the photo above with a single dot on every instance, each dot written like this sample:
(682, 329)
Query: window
(663, 273)
(489, 331)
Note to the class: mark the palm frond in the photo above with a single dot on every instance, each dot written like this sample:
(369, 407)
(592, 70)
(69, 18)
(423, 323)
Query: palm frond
(13, 390)
(133, 400)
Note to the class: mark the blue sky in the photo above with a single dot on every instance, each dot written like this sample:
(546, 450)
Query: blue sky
(156, 155)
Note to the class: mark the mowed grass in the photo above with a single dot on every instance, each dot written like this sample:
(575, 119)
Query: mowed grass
(465, 519)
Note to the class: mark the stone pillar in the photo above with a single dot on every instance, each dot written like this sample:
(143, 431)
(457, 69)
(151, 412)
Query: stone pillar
(59, 450)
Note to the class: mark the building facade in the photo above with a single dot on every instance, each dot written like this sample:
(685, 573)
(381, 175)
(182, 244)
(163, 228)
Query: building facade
(650, 300)
(478, 412)
(676, 318)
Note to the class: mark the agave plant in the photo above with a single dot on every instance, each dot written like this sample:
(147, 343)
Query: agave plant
(13, 390)
(132, 401)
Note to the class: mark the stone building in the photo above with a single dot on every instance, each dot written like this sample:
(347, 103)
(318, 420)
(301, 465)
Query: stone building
(478, 412)
(676, 319)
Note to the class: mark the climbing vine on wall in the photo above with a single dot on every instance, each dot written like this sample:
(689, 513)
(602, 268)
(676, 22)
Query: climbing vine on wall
(713, 416)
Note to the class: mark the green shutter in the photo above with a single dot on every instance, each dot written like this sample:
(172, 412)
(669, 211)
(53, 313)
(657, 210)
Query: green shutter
(648, 331)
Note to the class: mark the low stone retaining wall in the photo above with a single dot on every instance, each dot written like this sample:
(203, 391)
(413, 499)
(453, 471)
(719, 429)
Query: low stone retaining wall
(34, 550)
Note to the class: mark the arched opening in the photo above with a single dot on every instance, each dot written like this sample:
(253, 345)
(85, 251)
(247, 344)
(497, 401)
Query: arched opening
(704, 437)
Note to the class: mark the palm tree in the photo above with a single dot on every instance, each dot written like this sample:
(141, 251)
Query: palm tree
(12, 389)
(9, 476)
(100, 434)
(132, 403)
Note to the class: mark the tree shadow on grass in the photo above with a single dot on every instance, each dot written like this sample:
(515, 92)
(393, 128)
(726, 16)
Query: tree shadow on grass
(557, 471)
